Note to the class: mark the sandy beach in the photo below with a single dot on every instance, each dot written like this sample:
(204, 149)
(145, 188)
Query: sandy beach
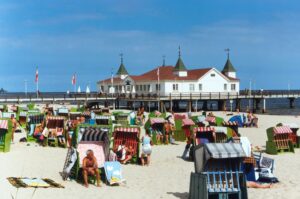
(168, 175)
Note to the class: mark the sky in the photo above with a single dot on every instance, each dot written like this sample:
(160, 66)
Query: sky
(63, 37)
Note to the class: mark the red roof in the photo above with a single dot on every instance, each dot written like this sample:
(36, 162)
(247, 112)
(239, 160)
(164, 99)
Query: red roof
(165, 73)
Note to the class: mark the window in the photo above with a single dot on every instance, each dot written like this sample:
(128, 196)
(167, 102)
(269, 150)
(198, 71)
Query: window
(175, 87)
(233, 87)
(157, 87)
(225, 87)
(145, 88)
(192, 87)
(128, 88)
(137, 87)
(200, 87)
(141, 87)
(148, 88)
(213, 75)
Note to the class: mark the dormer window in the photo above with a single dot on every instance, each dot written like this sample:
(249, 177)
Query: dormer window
(213, 75)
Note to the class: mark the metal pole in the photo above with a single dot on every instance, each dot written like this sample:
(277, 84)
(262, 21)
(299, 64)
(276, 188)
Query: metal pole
(25, 81)
(37, 89)
(250, 84)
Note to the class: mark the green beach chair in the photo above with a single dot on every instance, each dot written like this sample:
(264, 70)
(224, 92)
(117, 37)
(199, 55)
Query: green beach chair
(5, 135)
(279, 140)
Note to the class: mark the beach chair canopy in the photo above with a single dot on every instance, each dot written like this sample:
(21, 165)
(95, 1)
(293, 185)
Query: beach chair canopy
(102, 117)
(204, 129)
(63, 110)
(3, 124)
(291, 125)
(157, 113)
(34, 118)
(157, 120)
(217, 151)
(210, 119)
(23, 114)
(74, 115)
(238, 119)
(187, 122)
(86, 113)
(35, 111)
(94, 134)
(8, 114)
(127, 129)
(55, 122)
(24, 108)
(282, 130)
(221, 129)
(180, 116)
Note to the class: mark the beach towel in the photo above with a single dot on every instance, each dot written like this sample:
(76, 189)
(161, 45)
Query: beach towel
(113, 172)
(33, 183)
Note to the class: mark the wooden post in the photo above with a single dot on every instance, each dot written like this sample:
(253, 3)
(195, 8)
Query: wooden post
(292, 102)
(264, 110)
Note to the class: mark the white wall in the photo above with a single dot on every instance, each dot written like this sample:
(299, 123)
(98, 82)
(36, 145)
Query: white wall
(209, 84)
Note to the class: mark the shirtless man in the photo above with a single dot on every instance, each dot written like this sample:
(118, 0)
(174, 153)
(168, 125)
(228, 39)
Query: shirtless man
(90, 167)
(14, 126)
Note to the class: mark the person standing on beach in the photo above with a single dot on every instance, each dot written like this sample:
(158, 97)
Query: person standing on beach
(14, 126)
(146, 149)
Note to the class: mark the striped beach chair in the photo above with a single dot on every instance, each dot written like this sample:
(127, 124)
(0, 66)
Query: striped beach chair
(132, 137)
(218, 172)
(94, 138)
(5, 135)
(204, 135)
(279, 140)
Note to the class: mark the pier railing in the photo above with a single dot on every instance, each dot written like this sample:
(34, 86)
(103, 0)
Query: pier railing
(94, 96)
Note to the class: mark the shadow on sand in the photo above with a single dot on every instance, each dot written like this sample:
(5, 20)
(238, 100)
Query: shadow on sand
(179, 195)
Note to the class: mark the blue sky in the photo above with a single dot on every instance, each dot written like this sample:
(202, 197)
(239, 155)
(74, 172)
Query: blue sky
(66, 36)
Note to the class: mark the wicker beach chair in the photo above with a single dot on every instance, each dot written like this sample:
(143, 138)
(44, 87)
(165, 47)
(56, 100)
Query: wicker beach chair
(5, 135)
(132, 137)
(217, 172)
(279, 140)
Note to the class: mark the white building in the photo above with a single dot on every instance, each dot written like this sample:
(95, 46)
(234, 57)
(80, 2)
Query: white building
(164, 80)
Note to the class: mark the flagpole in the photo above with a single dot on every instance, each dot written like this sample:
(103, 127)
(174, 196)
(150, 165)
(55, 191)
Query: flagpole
(158, 88)
(37, 82)
(37, 88)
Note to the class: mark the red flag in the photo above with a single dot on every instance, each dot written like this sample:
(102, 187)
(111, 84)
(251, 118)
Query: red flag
(74, 79)
(36, 75)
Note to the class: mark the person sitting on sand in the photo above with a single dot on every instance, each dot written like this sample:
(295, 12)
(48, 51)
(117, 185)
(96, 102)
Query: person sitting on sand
(124, 153)
(90, 167)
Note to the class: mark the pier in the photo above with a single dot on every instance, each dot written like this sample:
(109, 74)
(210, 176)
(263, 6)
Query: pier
(257, 99)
